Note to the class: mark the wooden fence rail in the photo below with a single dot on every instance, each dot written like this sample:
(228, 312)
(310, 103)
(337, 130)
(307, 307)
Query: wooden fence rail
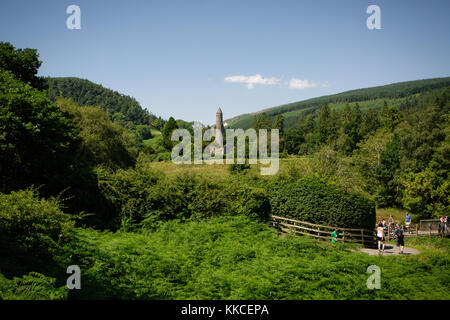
(363, 236)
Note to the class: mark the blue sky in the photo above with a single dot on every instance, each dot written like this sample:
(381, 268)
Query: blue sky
(186, 58)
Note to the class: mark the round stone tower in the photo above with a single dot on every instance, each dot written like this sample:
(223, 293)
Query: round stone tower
(219, 130)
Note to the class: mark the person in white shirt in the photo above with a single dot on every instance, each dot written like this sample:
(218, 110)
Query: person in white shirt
(380, 238)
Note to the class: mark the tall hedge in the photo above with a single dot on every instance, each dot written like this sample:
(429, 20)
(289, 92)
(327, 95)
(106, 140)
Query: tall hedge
(313, 200)
(147, 198)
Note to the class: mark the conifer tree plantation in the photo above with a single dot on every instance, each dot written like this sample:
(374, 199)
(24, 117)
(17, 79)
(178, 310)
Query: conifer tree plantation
(86, 179)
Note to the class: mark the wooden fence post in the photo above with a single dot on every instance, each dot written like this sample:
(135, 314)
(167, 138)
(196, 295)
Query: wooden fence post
(343, 235)
(318, 233)
(417, 230)
(362, 236)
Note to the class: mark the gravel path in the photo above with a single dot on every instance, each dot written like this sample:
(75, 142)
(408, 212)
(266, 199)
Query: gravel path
(390, 250)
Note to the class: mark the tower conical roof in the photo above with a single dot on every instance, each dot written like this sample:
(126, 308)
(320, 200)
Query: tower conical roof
(219, 110)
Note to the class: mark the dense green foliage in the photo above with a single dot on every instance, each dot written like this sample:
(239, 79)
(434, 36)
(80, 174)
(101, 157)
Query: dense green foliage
(386, 92)
(30, 230)
(167, 131)
(33, 286)
(397, 156)
(121, 108)
(312, 200)
(232, 258)
(52, 149)
(22, 63)
(37, 142)
(102, 141)
(262, 121)
(238, 258)
(147, 198)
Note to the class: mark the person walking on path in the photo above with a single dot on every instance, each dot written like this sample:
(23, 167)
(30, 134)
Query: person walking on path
(399, 238)
(334, 236)
(407, 221)
(441, 225)
(446, 223)
(380, 238)
(391, 225)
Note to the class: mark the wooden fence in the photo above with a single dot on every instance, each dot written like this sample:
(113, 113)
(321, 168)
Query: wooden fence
(362, 236)
(427, 227)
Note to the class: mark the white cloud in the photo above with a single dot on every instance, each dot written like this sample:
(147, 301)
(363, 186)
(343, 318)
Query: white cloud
(252, 80)
(296, 83)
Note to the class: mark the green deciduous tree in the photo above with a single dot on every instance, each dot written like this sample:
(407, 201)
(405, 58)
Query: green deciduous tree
(323, 124)
(167, 133)
(37, 142)
(387, 174)
(103, 142)
(370, 123)
(391, 117)
(367, 157)
(426, 194)
(262, 121)
(22, 63)
(279, 124)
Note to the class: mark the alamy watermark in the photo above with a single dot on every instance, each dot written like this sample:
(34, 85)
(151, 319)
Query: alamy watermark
(374, 20)
(74, 280)
(217, 153)
(74, 20)
(374, 280)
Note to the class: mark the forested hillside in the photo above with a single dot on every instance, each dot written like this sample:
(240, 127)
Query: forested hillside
(121, 108)
(399, 156)
(399, 94)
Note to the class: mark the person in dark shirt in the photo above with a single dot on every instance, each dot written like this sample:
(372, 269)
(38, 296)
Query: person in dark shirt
(399, 238)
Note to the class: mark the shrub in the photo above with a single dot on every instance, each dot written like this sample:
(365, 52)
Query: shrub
(313, 200)
(249, 201)
(33, 286)
(238, 258)
(30, 228)
(103, 142)
(149, 198)
(239, 168)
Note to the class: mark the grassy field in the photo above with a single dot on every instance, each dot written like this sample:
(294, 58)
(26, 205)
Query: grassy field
(397, 214)
(152, 141)
(155, 132)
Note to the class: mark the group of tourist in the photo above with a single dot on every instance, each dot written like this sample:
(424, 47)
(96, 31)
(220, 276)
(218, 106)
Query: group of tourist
(398, 232)
(443, 225)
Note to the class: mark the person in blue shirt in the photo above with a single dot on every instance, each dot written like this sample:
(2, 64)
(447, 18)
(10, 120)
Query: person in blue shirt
(407, 221)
